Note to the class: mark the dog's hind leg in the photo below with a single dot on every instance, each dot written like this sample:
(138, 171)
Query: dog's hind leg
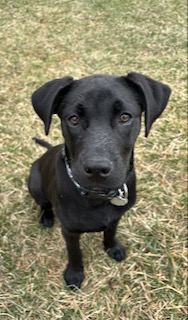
(34, 185)
(47, 217)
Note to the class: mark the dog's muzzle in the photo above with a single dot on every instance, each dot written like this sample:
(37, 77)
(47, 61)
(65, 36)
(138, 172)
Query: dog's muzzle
(117, 197)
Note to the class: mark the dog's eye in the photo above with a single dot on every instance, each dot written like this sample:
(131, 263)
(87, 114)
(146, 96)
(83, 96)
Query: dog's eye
(124, 118)
(74, 120)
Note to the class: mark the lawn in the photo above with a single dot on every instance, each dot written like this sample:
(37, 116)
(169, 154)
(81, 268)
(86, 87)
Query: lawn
(42, 40)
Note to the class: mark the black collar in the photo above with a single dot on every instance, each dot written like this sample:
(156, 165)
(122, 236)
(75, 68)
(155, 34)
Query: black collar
(117, 197)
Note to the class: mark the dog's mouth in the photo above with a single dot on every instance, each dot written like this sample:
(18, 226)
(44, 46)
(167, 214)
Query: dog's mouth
(99, 189)
(118, 196)
(99, 192)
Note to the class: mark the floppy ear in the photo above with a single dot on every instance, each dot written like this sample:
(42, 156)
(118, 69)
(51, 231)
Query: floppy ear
(154, 96)
(46, 99)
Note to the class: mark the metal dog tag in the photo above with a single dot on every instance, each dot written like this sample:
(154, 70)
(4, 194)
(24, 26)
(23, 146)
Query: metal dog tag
(122, 198)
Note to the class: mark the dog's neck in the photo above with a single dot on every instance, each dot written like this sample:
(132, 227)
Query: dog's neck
(117, 197)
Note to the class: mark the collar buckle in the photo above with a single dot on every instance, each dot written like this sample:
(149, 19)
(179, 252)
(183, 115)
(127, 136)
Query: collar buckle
(122, 198)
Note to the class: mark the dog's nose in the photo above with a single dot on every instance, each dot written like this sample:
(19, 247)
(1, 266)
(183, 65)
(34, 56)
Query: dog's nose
(97, 168)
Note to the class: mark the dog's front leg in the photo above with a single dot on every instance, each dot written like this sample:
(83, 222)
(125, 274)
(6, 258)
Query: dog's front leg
(74, 272)
(112, 246)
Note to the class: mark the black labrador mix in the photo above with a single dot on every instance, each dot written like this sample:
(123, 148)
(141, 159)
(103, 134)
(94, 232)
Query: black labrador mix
(90, 180)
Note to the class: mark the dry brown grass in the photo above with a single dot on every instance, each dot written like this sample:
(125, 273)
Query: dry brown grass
(42, 40)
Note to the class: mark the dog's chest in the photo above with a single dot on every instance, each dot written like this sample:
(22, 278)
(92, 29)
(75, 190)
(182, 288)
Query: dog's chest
(89, 218)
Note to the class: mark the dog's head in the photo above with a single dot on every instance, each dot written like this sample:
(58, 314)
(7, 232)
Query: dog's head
(101, 117)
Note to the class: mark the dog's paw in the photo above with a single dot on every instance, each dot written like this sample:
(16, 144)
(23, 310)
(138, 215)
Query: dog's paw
(117, 252)
(73, 278)
(47, 218)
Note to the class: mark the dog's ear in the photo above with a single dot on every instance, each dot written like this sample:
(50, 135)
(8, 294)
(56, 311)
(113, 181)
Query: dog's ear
(154, 96)
(47, 98)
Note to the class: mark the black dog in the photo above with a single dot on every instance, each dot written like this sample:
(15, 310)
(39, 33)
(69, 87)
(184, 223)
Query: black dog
(90, 180)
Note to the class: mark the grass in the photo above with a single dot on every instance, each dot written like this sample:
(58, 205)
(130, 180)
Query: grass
(42, 40)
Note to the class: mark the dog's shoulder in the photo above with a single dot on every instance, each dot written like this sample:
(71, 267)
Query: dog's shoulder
(50, 155)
